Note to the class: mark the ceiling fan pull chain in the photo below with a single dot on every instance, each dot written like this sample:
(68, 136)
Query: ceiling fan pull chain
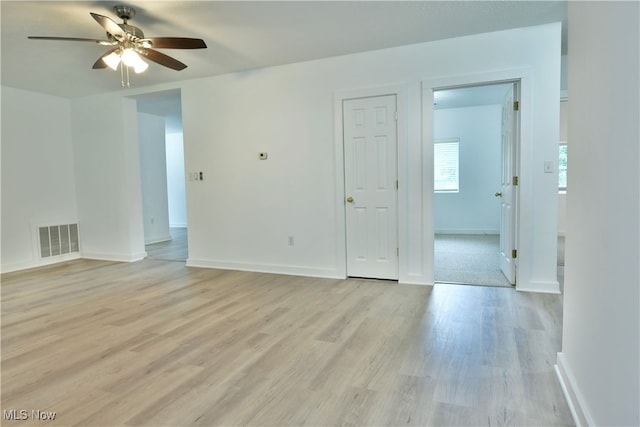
(122, 74)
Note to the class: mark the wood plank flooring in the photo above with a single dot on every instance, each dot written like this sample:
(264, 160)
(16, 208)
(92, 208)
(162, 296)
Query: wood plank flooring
(156, 343)
(175, 249)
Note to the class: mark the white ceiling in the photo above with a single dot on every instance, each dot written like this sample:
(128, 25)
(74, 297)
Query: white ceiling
(240, 35)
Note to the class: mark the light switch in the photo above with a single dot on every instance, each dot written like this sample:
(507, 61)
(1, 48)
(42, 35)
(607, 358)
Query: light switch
(548, 166)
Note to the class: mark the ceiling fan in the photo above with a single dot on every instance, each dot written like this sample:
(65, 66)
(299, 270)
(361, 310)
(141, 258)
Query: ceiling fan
(129, 45)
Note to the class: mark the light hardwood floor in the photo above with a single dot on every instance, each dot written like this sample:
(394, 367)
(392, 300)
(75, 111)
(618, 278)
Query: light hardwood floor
(156, 343)
(176, 249)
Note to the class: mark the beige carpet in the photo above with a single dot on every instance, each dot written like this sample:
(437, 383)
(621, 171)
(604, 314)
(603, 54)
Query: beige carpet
(474, 259)
(469, 258)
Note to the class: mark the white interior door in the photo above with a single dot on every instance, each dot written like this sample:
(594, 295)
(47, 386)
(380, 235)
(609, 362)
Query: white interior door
(370, 153)
(508, 191)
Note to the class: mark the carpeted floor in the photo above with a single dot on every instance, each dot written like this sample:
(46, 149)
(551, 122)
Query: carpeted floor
(474, 259)
(468, 258)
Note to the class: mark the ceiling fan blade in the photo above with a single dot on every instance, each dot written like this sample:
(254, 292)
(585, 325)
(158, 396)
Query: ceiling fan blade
(165, 60)
(176, 43)
(100, 63)
(109, 25)
(73, 39)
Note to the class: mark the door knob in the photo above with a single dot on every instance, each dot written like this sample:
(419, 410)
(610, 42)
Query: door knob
(498, 194)
(349, 199)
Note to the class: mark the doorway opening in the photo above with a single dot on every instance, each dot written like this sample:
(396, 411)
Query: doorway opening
(476, 140)
(162, 174)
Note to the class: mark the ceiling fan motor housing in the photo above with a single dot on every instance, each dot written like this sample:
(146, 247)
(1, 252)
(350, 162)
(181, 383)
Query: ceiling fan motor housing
(124, 12)
(133, 32)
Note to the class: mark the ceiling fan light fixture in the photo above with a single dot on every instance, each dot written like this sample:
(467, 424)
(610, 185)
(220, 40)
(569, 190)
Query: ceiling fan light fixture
(129, 45)
(112, 60)
(132, 59)
(140, 67)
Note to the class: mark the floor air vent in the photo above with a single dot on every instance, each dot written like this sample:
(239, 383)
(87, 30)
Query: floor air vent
(58, 240)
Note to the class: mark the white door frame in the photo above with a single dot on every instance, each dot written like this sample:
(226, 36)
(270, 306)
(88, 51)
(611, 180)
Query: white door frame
(524, 143)
(341, 226)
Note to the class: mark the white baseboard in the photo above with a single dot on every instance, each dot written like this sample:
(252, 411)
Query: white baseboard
(414, 279)
(17, 266)
(266, 268)
(158, 240)
(466, 231)
(103, 256)
(551, 287)
(579, 412)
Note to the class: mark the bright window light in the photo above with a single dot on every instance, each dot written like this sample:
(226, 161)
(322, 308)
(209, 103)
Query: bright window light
(446, 174)
(562, 167)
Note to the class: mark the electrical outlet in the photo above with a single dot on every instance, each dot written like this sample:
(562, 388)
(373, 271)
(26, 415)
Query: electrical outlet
(292, 241)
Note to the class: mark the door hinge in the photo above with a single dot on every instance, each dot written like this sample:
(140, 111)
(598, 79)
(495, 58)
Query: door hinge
(515, 180)
(514, 253)
(516, 105)
(397, 184)
(397, 251)
(395, 116)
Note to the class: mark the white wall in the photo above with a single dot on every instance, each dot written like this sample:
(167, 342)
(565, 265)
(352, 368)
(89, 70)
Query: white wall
(105, 141)
(600, 359)
(38, 179)
(241, 215)
(176, 180)
(153, 178)
(474, 209)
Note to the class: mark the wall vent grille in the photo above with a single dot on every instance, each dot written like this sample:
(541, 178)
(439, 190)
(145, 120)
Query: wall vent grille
(58, 240)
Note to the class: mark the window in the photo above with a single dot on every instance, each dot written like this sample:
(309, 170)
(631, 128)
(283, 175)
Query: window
(445, 165)
(562, 167)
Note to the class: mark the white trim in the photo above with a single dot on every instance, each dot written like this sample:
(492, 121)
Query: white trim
(166, 238)
(103, 256)
(400, 90)
(463, 231)
(40, 262)
(579, 412)
(325, 273)
(552, 287)
(414, 280)
(524, 76)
